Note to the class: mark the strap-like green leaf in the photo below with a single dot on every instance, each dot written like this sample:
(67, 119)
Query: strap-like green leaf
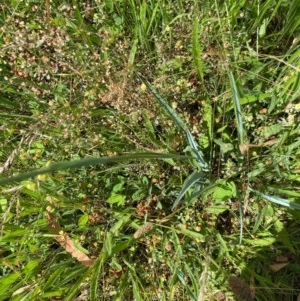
(277, 200)
(237, 109)
(188, 183)
(87, 162)
(197, 152)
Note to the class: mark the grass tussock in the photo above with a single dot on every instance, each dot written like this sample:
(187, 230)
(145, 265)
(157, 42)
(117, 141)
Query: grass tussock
(149, 150)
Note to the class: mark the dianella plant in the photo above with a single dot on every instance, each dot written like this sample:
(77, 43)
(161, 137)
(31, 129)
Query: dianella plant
(149, 150)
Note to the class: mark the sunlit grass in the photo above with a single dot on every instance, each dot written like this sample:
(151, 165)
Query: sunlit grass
(149, 150)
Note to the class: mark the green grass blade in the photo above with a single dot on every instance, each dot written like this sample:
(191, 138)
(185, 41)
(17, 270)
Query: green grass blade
(133, 52)
(182, 278)
(172, 114)
(189, 182)
(192, 277)
(136, 287)
(197, 152)
(241, 224)
(8, 104)
(18, 116)
(277, 200)
(250, 99)
(237, 109)
(97, 269)
(72, 281)
(293, 20)
(196, 49)
(153, 16)
(6, 282)
(202, 191)
(64, 165)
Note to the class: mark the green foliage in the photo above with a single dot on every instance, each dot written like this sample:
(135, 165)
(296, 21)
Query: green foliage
(149, 150)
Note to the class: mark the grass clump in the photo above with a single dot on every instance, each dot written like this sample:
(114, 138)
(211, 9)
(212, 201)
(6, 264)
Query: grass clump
(150, 150)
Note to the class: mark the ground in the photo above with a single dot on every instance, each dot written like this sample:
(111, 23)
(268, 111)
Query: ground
(149, 150)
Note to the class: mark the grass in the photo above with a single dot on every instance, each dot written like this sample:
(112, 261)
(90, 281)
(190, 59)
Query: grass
(149, 150)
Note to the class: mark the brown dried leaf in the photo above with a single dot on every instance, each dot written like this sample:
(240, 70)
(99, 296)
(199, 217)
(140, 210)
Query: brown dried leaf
(282, 258)
(244, 148)
(278, 266)
(66, 242)
(240, 289)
